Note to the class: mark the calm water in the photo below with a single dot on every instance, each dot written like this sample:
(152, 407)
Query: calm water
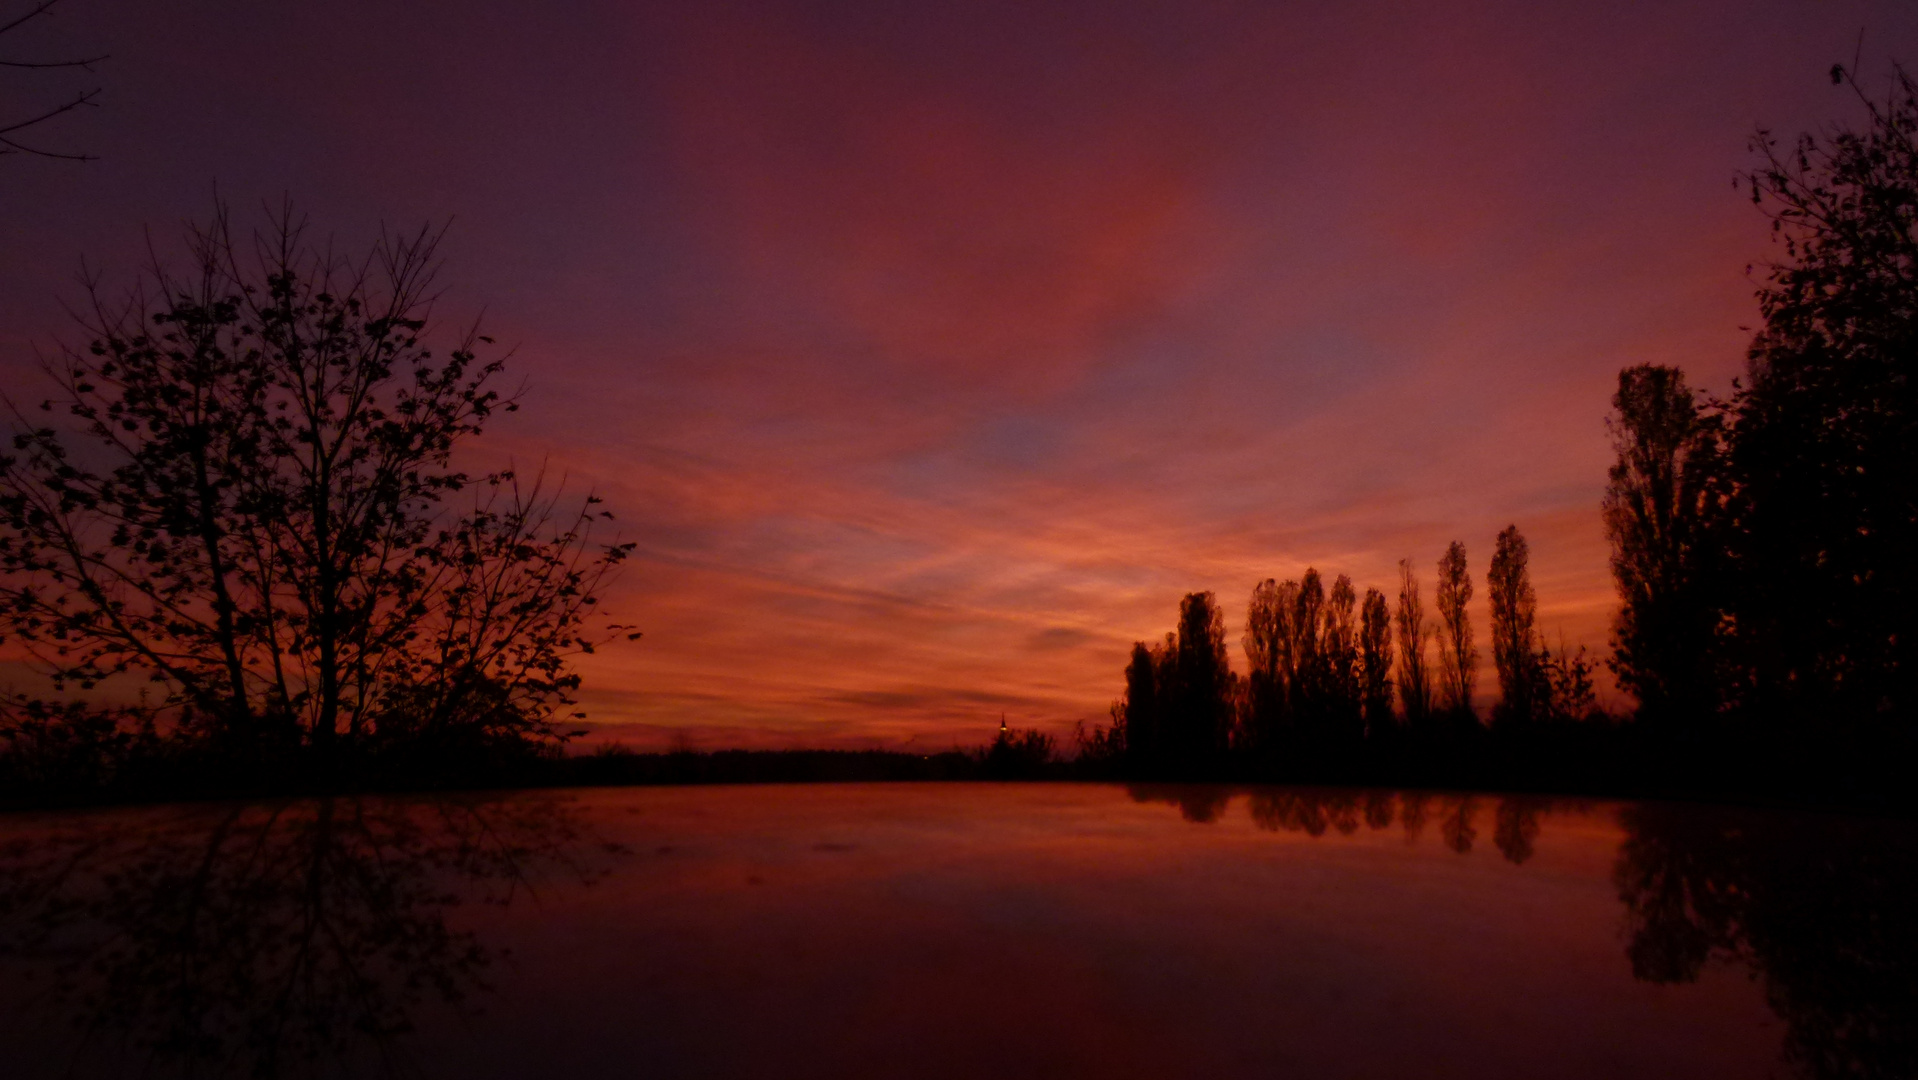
(957, 930)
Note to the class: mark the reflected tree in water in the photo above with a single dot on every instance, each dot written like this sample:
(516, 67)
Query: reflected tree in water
(1818, 908)
(1317, 812)
(1458, 828)
(1515, 831)
(1309, 812)
(1201, 804)
(1378, 809)
(293, 939)
(1412, 814)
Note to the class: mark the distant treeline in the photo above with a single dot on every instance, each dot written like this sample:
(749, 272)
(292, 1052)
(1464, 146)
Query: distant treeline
(1764, 545)
(1331, 676)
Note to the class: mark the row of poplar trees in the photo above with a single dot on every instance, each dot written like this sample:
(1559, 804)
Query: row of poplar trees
(1330, 672)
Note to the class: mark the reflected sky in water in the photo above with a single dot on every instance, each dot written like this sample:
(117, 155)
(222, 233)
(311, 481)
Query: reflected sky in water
(957, 930)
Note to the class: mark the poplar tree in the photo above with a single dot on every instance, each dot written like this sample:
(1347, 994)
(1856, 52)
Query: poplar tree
(1311, 684)
(1375, 659)
(1458, 660)
(1415, 678)
(1515, 650)
(1338, 650)
(1268, 646)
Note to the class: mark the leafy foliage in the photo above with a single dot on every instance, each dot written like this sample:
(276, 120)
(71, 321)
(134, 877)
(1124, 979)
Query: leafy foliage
(1825, 445)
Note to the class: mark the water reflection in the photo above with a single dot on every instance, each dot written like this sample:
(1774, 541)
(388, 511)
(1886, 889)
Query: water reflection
(1315, 812)
(1343, 932)
(1823, 909)
(291, 939)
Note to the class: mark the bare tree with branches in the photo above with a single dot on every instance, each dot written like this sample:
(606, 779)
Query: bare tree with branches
(12, 130)
(252, 502)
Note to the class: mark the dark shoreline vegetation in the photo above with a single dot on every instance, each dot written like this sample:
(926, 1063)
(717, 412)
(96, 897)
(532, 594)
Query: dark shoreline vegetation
(235, 545)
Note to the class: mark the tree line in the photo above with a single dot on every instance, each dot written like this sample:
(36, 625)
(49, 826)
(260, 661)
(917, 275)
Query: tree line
(1762, 546)
(1330, 674)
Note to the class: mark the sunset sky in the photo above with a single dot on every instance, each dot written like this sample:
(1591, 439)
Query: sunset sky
(931, 352)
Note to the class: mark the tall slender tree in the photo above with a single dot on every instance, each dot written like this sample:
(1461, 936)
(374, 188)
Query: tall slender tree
(1458, 660)
(1375, 661)
(1515, 650)
(1664, 515)
(1268, 646)
(1338, 651)
(1414, 678)
(1309, 683)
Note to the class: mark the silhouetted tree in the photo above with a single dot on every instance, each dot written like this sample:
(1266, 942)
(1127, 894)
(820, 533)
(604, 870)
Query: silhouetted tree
(1415, 678)
(13, 129)
(1311, 679)
(1375, 661)
(252, 503)
(1017, 753)
(1514, 639)
(1825, 446)
(1343, 716)
(1567, 675)
(1199, 721)
(1100, 751)
(1182, 698)
(1141, 712)
(1269, 665)
(1458, 660)
(1664, 510)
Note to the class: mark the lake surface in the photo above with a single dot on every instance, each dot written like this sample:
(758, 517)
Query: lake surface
(963, 930)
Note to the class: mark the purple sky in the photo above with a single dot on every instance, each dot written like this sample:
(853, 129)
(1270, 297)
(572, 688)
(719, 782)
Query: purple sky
(932, 352)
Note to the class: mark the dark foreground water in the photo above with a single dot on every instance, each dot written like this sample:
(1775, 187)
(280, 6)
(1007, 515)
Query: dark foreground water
(957, 930)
